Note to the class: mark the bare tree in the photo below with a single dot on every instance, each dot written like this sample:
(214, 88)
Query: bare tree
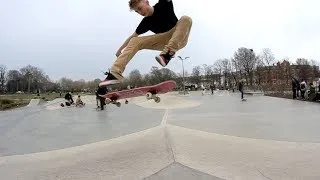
(92, 85)
(226, 71)
(304, 68)
(267, 60)
(302, 61)
(135, 78)
(314, 62)
(79, 85)
(3, 70)
(33, 79)
(217, 69)
(235, 70)
(66, 84)
(315, 69)
(267, 57)
(157, 75)
(259, 70)
(196, 75)
(208, 72)
(14, 78)
(247, 60)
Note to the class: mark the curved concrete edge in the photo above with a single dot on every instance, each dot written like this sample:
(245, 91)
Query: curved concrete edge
(133, 156)
(230, 157)
(167, 102)
(36, 102)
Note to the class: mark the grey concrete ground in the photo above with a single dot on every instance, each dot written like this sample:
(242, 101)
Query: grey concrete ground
(183, 137)
(32, 130)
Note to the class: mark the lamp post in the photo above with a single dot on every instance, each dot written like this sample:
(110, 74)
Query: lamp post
(182, 59)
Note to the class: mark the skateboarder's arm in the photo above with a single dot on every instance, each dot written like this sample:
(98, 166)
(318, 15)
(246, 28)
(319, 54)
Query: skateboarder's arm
(126, 43)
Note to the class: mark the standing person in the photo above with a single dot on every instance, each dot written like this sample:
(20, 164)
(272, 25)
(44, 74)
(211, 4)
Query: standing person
(100, 92)
(211, 87)
(97, 98)
(319, 85)
(294, 88)
(298, 88)
(170, 36)
(241, 89)
(303, 88)
(312, 92)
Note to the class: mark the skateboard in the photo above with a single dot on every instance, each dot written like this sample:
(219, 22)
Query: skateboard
(149, 91)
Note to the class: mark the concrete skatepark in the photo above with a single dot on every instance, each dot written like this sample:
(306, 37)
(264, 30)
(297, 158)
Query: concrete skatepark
(183, 137)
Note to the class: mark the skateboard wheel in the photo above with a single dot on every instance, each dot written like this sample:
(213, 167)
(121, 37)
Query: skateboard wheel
(118, 104)
(157, 99)
(149, 95)
(126, 102)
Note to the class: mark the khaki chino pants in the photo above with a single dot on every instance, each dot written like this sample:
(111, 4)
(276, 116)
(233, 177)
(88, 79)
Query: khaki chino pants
(172, 41)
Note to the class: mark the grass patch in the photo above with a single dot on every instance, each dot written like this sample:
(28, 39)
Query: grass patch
(10, 101)
(6, 104)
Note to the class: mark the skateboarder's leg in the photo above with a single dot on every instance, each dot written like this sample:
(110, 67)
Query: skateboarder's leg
(152, 42)
(180, 35)
(102, 103)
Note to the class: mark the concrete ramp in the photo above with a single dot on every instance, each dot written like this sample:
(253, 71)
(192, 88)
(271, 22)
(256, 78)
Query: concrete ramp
(54, 104)
(35, 102)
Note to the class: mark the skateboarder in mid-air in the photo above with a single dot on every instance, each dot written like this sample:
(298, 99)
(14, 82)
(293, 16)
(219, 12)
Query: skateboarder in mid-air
(170, 36)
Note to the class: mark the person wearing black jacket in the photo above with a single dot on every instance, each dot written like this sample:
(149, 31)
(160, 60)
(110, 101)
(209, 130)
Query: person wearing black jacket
(69, 98)
(241, 89)
(294, 88)
(99, 96)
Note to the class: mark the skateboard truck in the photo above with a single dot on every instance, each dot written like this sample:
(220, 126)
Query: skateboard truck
(108, 101)
(153, 96)
(117, 103)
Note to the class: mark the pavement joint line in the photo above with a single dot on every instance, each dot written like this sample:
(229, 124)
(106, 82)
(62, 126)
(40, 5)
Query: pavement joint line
(165, 117)
(169, 144)
(160, 170)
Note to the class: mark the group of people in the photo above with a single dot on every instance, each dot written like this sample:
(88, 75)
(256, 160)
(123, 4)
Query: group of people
(70, 101)
(300, 90)
(79, 103)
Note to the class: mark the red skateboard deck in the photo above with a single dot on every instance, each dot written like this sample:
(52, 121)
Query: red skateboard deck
(149, 91)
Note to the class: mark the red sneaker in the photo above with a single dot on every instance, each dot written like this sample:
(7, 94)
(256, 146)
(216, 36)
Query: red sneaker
(164, 59)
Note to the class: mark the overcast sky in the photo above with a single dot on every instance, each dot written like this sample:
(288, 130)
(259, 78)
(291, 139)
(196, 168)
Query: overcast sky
(79, 38)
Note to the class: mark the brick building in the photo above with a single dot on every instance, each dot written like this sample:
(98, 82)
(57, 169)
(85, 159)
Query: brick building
(281, 73)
